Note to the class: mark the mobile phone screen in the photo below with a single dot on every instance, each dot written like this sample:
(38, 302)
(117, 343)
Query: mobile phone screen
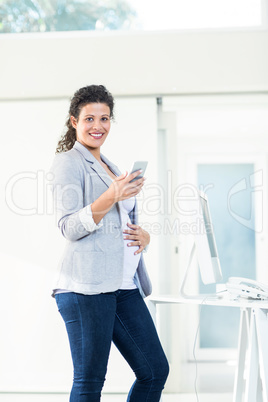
(139, 165)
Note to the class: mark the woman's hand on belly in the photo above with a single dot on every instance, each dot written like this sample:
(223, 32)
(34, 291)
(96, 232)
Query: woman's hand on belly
(138, 236)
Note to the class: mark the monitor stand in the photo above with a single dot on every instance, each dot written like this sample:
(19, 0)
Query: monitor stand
(182, 291)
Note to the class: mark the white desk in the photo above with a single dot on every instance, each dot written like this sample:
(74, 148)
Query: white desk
(253, 340)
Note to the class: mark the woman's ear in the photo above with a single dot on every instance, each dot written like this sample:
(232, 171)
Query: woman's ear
(73, 121)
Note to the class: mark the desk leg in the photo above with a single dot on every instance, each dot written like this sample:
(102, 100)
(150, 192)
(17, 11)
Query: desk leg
(242, 350)
(262, 334)
(252, 378)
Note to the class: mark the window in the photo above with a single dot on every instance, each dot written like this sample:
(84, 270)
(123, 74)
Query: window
(232, 204)
(64, 15)
(88, 15)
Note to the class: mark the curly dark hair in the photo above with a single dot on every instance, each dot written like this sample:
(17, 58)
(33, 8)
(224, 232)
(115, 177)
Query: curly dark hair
(85, 95)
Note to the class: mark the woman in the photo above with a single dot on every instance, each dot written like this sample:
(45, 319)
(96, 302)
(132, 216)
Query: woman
(102, 274)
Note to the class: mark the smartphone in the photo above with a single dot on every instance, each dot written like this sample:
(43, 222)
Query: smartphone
(137, 166)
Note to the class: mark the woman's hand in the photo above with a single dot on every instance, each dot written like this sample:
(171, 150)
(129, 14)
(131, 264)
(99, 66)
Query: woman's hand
(138, 236)
(121, 188)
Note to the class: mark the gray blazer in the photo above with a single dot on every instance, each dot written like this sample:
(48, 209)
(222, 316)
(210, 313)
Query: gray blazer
(92, 262)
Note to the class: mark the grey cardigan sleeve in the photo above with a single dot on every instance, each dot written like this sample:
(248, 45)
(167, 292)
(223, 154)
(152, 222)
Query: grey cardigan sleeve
(67, 189)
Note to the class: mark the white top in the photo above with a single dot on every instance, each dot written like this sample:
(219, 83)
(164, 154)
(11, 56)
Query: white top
(131, 260)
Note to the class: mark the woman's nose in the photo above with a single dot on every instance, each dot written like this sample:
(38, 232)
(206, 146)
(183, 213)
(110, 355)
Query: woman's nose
(97, 124)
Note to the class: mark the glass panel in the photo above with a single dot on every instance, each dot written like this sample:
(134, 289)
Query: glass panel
(73, 15)
(64, 15)
(233, 225)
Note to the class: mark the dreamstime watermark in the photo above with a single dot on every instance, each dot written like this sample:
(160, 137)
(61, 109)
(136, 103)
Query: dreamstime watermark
(159, 200)
(154, 200)
(177, 227)
(41, 201)
(254, 184)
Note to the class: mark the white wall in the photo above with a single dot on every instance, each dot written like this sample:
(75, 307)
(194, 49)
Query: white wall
(56, 64)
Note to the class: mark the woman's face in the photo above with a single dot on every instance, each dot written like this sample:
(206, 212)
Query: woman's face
(93, 125)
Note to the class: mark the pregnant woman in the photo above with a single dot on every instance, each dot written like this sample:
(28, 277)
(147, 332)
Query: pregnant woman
(102, 277)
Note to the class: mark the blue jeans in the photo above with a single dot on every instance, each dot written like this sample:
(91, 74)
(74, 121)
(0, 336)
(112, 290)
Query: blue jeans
(92, 323)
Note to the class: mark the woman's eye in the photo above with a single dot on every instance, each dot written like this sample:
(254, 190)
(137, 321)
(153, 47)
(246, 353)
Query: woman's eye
(92, 119)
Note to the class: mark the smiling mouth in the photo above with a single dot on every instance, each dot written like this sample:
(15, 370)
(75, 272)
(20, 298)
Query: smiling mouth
(96, 135)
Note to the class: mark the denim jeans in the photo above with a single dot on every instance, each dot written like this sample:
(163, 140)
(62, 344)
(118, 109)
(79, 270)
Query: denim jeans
(92, 323)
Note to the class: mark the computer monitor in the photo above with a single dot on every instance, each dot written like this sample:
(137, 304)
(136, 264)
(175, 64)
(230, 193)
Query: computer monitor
(204, 245)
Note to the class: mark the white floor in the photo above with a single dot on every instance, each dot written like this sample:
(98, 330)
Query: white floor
(115, 398)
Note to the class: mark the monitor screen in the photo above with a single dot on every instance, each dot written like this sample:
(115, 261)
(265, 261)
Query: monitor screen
(208, 226)
(204, 245)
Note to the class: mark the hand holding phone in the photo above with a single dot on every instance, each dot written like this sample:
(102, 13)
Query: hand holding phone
(139, 165)
(120, 187)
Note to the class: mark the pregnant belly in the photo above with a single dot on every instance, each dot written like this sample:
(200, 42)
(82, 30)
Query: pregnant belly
(129, 256)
